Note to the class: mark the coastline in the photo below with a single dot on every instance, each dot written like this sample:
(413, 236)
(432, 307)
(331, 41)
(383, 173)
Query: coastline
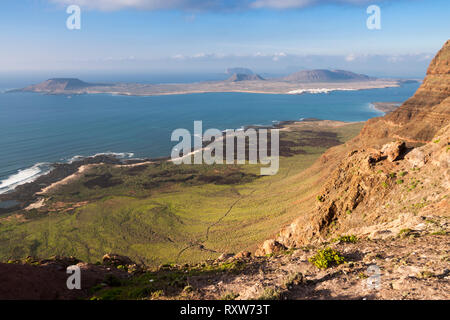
(385, 107)
(25, 194)
(257, 87)
(30, 195)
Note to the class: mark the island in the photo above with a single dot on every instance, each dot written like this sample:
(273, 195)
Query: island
(305, 81)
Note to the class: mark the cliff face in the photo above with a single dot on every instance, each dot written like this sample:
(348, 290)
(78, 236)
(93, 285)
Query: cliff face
(421, 116)
(398, 168)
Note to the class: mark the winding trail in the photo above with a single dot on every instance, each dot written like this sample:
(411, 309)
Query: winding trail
(199, 243)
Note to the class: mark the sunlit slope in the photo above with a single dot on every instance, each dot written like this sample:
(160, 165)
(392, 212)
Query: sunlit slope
(162, 213)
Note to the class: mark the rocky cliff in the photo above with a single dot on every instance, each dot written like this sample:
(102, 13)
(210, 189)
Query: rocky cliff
(395, 170)
(421, 116)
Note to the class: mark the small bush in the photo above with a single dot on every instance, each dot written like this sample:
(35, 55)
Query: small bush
(294, 280)
(439, 233)
(399, 181)
(270, 294)
(230, 296)
(404, 233)
(112, 281)
(156, 294)
(320, 198)
(326, 258)
(348, 239)
(188, 289)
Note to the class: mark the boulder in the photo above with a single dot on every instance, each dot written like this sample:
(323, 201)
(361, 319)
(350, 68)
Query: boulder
(224, 256)
(393, 150)
(271, 247)
(116, 260)
(242, 255)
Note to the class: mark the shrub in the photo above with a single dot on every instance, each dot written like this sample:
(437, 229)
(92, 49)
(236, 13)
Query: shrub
(326, 258)
(348, 239)
(112, 281)
(270, 294)
(230, 296)
(404, 233)
(439, 233)
(399, 181)
(294, 280)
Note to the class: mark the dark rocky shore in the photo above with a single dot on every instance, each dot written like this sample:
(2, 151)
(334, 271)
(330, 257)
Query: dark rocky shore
(25, 194)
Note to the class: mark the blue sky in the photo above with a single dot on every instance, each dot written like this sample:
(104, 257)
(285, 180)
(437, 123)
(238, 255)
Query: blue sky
(270, 36)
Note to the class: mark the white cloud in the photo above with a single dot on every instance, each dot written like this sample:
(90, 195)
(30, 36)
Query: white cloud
(281, 4)
(111, 5)
(351, 57)
(178, 57)
(204, 5)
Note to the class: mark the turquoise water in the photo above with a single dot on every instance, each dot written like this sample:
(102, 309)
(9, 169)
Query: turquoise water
(36, 129)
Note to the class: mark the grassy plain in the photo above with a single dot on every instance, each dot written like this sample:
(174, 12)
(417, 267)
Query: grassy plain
(162, 213)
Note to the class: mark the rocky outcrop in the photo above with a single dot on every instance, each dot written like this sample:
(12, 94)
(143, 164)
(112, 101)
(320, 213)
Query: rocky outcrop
(45, 279)
(270, 247)
(421, 116)
(399, 164)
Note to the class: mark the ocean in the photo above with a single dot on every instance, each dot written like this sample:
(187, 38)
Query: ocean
(37, 130)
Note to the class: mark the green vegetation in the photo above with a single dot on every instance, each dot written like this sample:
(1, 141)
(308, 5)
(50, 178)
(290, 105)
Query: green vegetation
(362, 275)
(413, 184)
(347, 239)
(439, 233)
(399, 181)
(326, 258)
(270, 294)
(168, 281)
(294, 280)
(425, 274)
(408, 233)
(230, 296)
(162, 213)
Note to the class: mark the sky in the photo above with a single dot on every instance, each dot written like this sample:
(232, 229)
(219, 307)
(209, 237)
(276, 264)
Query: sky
(192, 36)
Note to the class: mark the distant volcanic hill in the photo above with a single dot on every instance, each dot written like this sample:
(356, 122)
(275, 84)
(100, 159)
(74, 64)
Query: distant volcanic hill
(243, 77)
(59, 85)
(323, 75)
(239, 71)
